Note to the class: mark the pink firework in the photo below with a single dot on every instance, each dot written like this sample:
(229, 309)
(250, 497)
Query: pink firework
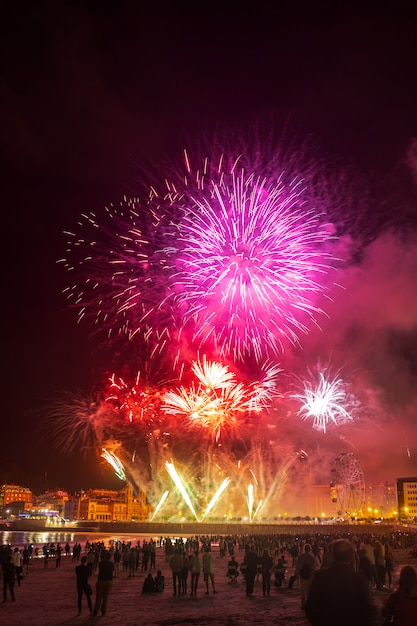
(252, 260)
(226, 259)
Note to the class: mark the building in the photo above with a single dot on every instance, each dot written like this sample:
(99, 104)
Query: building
(71, 508)
(334, 500)
(52, 500)
(104, 505)
(321, 502)
(407, 497)
(381, 500)
(15, 498)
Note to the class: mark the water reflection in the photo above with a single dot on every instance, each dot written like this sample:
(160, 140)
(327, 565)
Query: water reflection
(39, 538)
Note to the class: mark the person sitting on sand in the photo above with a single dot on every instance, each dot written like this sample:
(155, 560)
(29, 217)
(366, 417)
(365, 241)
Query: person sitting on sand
(232, 569)
(148, 584)
(159, 581)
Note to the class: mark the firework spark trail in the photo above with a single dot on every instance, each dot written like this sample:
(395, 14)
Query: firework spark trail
(79, 421)
(159, 505)
(170, 467)
(257, 510)
(216, 497)
(265, 391)
(250, 501)
(115, 462)
(212, 374)
(279, 479)
(325, 402)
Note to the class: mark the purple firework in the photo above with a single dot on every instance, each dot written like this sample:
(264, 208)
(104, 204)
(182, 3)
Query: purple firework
(120, 262)
(225, 259)
(252, 260)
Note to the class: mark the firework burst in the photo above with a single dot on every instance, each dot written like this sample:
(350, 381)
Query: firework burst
(79, 422)
(225, 258)
(217, 401)
(138, 401)
(119, 262)
(325, 401)
(251, 262)
(230, 261)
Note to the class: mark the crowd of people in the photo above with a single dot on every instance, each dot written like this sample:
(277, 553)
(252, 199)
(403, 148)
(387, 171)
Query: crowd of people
(335, 575)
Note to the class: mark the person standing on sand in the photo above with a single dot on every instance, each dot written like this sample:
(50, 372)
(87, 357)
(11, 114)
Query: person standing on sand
(267, 564)
(81, 572)
(116, 558)
(17, 561)
(340, 595)
(304, 571)
(8, 578)
(25, 560)
(175, 563)
(402, 603)
(208, 569)
(195, 573)
(104, 582)
(251, 561)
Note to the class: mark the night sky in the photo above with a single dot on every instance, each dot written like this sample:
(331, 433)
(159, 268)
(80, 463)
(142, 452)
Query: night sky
(91, 92)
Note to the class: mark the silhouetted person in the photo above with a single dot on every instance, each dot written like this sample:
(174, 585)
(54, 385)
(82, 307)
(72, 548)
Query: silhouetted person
(104, 582)
(267, 565)
(306, 564)
(403, 602)
(195, 573)
(232, 569)
(251, 562)
(175, 563)
(8, 578)
(81, 572)
(339, 595)
(148, 584)
(208, 569)
(159, 581)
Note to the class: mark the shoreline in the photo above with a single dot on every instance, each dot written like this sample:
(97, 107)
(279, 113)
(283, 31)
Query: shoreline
(204, 528)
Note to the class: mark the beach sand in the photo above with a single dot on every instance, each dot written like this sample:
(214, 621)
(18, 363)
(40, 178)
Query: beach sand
(47, 597)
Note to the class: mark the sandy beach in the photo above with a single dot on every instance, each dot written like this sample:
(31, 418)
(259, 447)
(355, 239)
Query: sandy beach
(47, 597)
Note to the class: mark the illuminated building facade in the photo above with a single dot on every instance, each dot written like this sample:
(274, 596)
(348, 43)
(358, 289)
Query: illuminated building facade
(14, 497)
(103, 505)
(407, 497)
(381, 500)
(52, 500)
(319, 502)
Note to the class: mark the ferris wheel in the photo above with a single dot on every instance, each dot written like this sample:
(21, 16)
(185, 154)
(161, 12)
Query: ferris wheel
(349, 484)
